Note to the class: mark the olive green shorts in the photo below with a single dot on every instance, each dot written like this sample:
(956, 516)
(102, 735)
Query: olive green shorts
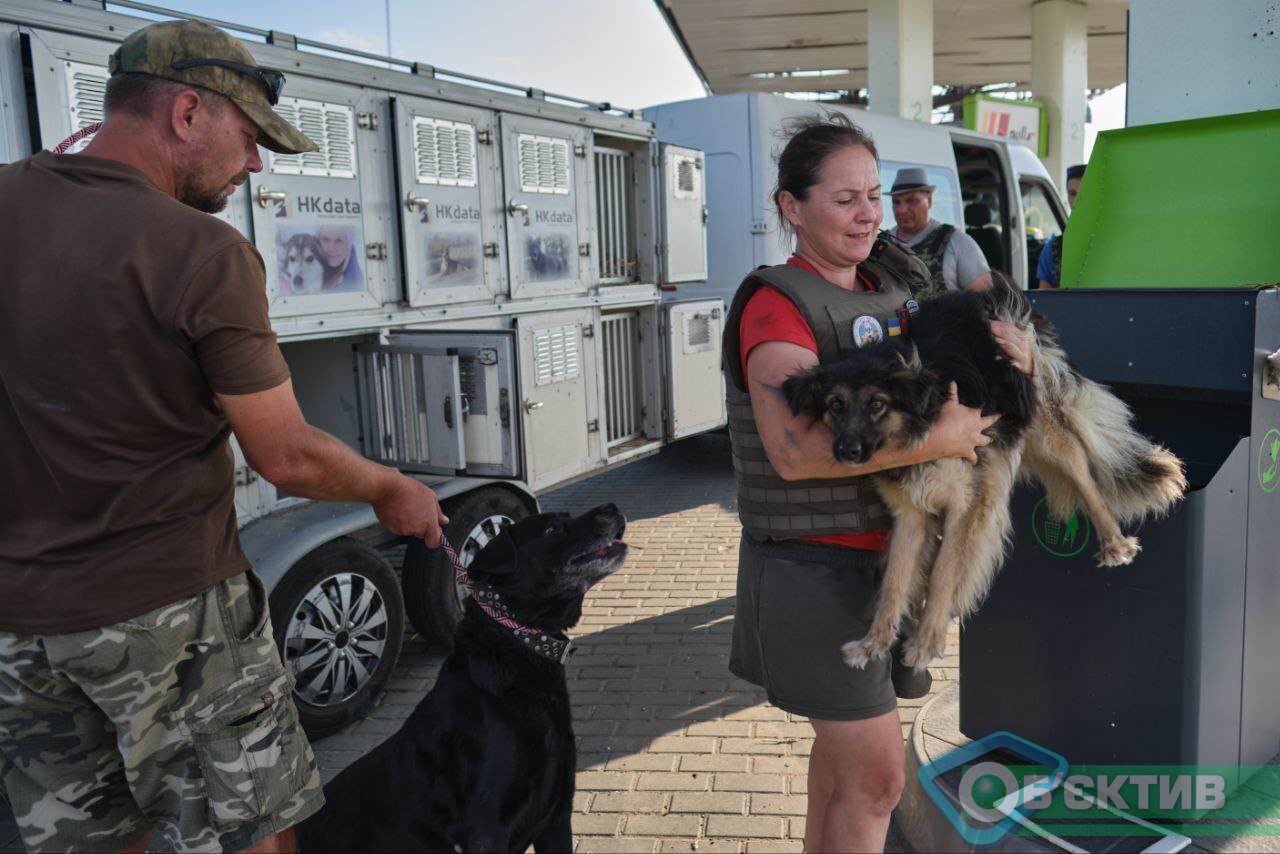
(798, 603)
(179, 723)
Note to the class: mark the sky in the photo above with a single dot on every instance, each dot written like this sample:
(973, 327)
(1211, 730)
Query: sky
(620, 51)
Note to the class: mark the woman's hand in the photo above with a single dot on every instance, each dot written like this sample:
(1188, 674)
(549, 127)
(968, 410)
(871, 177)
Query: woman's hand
(1016, 344)
(958, 432)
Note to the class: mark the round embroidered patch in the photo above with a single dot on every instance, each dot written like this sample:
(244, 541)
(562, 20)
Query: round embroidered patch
(867, 330)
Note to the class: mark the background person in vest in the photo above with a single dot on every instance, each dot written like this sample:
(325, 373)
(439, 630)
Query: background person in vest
(1049, 265)
(954, 258)
(142, 699)
(814, 530)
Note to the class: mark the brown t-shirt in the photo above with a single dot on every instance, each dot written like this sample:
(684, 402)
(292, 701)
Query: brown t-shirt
(122, 311)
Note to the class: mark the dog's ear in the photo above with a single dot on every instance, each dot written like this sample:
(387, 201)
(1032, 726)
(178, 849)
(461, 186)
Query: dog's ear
(909, 356)
(498, 557)
(913, 386)
(803, 391)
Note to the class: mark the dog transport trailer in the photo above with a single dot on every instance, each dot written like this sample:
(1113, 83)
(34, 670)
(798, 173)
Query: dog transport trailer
(998, 191)
(464, 280)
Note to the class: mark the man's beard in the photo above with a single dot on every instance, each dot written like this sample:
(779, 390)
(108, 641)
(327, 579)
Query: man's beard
(206, 199)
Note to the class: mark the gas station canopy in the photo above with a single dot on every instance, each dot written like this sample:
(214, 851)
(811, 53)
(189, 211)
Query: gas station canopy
(821, 45)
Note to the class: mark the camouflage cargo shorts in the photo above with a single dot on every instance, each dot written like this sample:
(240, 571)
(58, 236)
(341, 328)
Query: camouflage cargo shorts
(179, 723)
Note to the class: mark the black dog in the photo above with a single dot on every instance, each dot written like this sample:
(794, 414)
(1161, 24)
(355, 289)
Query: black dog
(486, 762)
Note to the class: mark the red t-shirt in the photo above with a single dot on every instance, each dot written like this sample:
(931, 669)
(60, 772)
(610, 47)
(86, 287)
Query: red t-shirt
(769, 316)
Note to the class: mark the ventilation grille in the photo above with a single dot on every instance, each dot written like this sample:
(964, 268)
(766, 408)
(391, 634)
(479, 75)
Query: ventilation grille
(685, 175)
(700, 332)
(544, 164)
(331, 127)
(472, 384)
(555, 354)
(86, 90)
(445, 152)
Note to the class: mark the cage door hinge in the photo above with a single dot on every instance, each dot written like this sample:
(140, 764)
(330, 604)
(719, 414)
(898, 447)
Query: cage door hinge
(484, 137)
(589, 331)
(245, 476)
(593, 426)
(375, 251)
(367, 121)
(491, 250)
(584, 249)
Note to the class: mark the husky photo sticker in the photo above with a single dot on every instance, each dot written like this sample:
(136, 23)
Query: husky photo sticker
(867, 330)
(318, 258)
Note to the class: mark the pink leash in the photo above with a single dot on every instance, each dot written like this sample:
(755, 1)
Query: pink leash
(539, 641)
(87, 130)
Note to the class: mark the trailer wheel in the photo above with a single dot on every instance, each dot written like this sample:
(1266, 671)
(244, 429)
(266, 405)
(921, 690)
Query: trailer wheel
(339, 622)
(432, 597)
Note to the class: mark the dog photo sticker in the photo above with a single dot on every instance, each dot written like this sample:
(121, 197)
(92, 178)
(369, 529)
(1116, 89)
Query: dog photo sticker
(549, 255)
(453, 258)
(318, 259)
(867, 330)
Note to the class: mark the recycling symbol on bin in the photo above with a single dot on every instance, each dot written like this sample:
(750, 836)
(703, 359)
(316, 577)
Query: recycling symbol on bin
(1060, 537)
(1269, 461)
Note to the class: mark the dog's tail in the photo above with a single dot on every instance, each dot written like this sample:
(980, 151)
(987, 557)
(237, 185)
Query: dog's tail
(1084, 425)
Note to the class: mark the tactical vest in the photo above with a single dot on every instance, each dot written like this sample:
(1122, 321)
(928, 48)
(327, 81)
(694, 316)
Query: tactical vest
(931, 251)
(768, 505)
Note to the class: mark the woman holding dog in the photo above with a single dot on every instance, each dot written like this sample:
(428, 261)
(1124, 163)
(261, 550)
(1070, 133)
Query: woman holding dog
(814, 530)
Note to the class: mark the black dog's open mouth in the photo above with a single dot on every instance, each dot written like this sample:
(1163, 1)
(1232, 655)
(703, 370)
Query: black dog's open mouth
(613, 549)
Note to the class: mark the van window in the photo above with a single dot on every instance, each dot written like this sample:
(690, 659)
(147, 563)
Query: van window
(986, 201)
(946, 199)
(1041, 219)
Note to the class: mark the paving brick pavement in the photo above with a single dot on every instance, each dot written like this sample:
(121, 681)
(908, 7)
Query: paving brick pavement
(675, 754)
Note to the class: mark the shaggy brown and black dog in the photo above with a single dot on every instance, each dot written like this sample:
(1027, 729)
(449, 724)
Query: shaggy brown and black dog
(951, 519)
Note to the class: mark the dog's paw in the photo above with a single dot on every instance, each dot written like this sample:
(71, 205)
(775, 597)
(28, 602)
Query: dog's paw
(1119, 553)
(859, 653)
(917, 652)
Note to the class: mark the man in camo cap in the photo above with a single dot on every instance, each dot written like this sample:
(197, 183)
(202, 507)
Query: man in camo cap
(200, 55)
(142, 698)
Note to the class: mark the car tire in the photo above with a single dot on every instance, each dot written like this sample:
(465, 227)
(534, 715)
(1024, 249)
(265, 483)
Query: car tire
(339, 622)
(432, 598)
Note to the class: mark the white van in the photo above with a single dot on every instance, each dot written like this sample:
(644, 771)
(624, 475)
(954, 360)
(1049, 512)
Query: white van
(998, 192)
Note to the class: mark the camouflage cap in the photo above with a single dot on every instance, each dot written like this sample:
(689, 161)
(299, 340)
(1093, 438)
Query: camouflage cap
(157, 48)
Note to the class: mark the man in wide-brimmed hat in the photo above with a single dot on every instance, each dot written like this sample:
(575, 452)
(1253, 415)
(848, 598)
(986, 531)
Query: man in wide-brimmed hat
(953, 257)
(142, 698)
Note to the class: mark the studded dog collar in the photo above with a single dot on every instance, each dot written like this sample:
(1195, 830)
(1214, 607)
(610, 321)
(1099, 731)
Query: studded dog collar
(546, 644)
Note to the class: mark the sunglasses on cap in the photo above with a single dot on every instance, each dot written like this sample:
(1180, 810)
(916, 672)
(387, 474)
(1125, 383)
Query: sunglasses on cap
(270, 78)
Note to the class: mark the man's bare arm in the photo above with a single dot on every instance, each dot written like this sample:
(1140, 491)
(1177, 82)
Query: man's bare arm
(280, 445)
